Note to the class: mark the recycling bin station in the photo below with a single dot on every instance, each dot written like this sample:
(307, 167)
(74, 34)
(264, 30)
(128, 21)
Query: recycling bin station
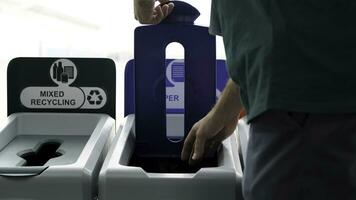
(60, 125)
(144, 159)
(120, 180)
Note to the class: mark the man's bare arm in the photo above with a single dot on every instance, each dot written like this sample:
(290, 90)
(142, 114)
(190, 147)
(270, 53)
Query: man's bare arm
(216, 126)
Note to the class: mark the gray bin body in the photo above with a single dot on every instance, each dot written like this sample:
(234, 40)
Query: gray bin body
(84, 140)
(119, 181)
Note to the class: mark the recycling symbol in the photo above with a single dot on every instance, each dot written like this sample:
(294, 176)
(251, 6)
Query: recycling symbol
(95, 97)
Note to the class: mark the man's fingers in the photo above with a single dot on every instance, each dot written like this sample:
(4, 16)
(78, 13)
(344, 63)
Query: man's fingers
(188, 145)
(146, 13)
(158, 15)
(199, 147)
(170, 8)
(159, 12)
(165, 10)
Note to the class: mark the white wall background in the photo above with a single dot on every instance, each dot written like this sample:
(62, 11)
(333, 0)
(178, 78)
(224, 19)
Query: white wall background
(77, 28)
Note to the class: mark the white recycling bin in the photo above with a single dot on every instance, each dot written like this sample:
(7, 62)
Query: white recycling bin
(61, 121)
(53, 156)
(119, 180)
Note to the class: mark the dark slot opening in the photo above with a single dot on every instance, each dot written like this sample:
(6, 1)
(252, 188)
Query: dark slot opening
(170, 164)
(45, 152)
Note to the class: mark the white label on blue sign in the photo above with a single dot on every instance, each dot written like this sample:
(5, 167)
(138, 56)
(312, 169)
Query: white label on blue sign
(175, 100)
(175, 86)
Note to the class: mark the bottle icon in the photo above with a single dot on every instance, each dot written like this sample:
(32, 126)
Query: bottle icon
(64, 77)
(63, 71)
(54, 70)
(59, 72)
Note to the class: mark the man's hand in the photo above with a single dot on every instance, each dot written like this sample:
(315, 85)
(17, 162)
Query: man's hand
(208, 133)
(205, 137)
(147, 13)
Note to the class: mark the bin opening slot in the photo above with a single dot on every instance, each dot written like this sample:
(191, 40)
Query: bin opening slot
(45, 152)
(170, 164)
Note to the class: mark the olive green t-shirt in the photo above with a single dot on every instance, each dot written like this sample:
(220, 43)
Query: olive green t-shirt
(290, 55)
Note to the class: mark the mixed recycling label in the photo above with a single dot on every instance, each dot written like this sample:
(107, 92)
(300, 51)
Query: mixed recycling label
(63, 73)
